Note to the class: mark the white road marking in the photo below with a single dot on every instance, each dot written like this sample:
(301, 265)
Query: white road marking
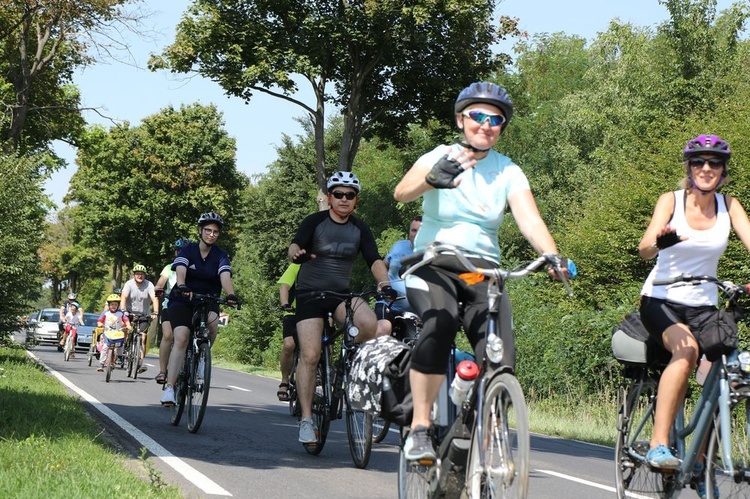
(239, 388)
(578, 480)
(191, 474)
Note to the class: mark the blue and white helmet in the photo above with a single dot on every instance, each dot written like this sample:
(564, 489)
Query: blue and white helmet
(344, 179)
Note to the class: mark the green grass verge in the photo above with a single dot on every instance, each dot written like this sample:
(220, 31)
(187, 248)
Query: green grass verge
(588, 419)
(50, 447)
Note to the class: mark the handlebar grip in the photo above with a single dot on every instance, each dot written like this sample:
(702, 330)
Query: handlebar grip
(664, 282)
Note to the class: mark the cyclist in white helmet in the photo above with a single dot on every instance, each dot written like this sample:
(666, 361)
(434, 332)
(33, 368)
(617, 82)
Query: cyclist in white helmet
(138, 297)
(327, 243)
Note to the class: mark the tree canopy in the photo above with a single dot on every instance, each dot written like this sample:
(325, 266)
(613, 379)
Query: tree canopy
(384, 64)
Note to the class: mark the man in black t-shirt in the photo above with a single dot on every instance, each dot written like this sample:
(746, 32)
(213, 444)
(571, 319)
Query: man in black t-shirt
(327, 243)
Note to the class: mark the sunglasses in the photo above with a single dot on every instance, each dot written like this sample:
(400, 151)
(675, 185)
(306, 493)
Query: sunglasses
(714, 163)
(480, 117)
(341, 195)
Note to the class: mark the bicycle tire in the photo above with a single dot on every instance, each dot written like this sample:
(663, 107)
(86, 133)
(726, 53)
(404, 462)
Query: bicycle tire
(380, 428)
(320, 409)
(413, 479)
(731, 482)
(130, 355)
(68, 346)
(180, 391)
(111, 355)
(506, 453)
(635, 425)
(136, 355)
(358, 433)
(294, 408)
(92, 349)
(197, 391)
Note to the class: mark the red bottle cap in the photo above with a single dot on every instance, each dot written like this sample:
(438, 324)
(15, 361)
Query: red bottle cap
(467, 369)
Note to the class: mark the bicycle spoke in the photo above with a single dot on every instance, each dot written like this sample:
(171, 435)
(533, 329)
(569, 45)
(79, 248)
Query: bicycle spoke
(730, 469)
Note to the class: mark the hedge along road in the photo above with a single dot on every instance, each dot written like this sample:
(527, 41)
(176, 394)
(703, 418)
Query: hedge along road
(247, 445)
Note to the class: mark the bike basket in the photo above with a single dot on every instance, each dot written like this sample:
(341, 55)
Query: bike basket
(369, 367)
(630, 341)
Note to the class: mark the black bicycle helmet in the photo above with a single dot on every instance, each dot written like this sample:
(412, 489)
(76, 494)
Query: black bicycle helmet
(488, 93)
(210, 218)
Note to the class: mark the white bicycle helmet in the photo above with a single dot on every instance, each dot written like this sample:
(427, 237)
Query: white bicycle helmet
(72, 296)
(344, 179)
(210, 218)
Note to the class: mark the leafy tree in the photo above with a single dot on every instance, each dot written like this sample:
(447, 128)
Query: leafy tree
(22, 214)
(42, 43)
(139, 189)
(385, 64)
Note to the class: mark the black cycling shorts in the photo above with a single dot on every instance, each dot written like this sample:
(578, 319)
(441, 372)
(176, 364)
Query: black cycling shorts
(289, 326)
(309, 306)
(181, 314)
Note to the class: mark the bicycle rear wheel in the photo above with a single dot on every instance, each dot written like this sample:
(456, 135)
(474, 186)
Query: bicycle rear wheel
(358, 432)
(321, 411)
(732, 481)
(413, 479)
(505, 451)
(180, 391)
(635, 425)
(198, 386)
(380, 429)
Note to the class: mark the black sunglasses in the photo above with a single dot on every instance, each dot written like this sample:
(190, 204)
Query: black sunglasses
(347, 195)
(714, 163)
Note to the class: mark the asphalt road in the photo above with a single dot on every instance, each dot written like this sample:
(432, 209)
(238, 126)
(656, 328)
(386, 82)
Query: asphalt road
(247, 446)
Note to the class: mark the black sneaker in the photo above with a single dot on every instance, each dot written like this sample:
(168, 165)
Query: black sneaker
(418, 446)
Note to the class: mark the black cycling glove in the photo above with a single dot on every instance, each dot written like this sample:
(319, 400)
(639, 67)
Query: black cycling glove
(444, 173)
(386, 293)
(667, 240)
(287, 308)
(182, 290)
(304, 257)
(232, 300)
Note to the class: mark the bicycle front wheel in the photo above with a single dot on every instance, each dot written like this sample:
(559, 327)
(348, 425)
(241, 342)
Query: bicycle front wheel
(198, 386)
(111, 355)
(413, 478)
(321, 411)
(130, 354)
(728, 462)
(136, 351)
(68, 346)
(635, 425)
(503, 445)
(359, 433)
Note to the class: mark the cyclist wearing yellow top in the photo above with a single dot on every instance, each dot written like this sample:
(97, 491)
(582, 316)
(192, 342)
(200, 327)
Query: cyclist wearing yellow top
(287, 283)
(115, 324)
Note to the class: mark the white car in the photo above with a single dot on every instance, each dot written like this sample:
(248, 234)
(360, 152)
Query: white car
(47, 326)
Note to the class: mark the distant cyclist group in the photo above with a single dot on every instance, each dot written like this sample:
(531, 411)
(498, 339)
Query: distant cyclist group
(456, 283)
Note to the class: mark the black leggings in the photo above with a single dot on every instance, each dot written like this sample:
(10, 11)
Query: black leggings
(435, 293)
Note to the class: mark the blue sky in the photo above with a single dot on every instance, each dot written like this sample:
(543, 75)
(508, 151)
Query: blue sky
(129, 92)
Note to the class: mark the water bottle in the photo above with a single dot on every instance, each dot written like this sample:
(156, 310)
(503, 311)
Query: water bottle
(466, 373)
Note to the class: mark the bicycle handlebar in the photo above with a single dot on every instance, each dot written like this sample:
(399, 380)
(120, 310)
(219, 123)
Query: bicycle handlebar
(727, 287)
(202, 297)
(426, 256)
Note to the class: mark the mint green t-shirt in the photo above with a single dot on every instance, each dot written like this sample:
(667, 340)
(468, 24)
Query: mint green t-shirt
(471, 214)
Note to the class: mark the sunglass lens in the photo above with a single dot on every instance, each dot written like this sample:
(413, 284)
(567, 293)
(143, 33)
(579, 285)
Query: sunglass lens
(347, 195)
(480, 117)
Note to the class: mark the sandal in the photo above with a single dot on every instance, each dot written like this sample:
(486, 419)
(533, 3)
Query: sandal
(283, 395)
(161, 378)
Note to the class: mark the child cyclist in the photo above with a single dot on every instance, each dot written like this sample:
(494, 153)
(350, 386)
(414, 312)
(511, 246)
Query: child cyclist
(115, 324)
(72, 319)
